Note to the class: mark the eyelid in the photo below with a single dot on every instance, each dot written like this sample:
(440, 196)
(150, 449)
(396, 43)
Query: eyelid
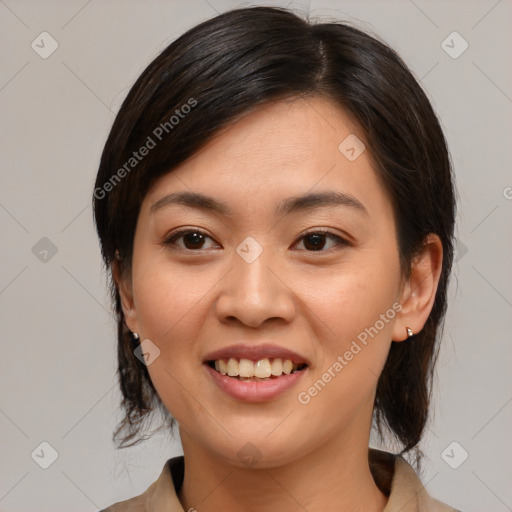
(325, 231)
(184, 230)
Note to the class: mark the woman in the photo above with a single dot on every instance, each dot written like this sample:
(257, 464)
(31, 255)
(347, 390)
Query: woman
(275, 207)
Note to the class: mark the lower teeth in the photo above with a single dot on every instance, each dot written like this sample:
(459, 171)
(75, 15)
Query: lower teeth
(254, 378)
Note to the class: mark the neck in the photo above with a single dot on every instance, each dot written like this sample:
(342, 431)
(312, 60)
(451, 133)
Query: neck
(334, 477)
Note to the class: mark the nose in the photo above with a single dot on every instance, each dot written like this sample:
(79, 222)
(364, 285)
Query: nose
(254, 293)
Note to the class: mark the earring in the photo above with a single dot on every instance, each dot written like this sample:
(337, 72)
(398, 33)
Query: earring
(409, 332)
(135, 336)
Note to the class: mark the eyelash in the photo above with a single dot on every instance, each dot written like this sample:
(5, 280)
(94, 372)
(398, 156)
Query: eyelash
(171, 239)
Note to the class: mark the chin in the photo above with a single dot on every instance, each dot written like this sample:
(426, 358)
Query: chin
(256, 450)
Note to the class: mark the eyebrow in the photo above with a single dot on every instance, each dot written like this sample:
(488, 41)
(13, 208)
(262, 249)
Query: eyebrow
(287, 206)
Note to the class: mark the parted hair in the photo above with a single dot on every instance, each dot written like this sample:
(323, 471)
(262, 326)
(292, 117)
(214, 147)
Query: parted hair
(231, 64)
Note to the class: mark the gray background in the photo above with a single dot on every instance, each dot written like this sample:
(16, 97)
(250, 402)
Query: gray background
(58, 363)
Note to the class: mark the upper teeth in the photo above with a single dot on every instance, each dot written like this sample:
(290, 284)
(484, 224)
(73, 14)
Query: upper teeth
(262, 369)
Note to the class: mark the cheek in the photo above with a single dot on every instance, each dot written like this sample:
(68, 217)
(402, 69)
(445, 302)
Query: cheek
(354, 333)
(172, 304)
(169, 309)
(353, 299)
(167, 297)
(354, 312)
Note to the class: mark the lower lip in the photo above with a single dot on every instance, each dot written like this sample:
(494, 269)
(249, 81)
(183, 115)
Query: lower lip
(253, 391)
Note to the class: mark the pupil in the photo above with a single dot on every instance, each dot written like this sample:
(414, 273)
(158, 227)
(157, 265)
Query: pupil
(193, 239)
(318, 241)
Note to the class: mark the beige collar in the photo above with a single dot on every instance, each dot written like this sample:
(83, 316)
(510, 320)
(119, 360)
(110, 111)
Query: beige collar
(392, 473)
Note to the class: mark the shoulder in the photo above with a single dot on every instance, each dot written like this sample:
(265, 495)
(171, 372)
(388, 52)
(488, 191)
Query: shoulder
(160, 495)
(396, 478)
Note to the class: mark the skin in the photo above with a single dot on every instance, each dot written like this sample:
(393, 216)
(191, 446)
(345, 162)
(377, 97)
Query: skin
(190, 301)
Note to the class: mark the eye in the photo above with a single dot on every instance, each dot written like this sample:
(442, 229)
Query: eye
(192, 239)
(316, 240)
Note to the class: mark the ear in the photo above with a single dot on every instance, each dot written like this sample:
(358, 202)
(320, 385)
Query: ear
(124, 286)
(419, 292)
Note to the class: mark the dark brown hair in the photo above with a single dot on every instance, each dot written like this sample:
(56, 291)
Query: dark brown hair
(231, 64)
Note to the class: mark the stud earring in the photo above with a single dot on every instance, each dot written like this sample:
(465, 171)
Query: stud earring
(409, 332)
(135, 336)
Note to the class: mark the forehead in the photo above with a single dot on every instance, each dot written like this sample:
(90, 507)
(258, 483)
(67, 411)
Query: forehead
(289, 134)
(282, 149)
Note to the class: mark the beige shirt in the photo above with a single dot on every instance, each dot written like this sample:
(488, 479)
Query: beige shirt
(393, 475)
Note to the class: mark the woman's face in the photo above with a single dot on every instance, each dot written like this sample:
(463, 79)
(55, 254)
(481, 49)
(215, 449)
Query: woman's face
(261, 282)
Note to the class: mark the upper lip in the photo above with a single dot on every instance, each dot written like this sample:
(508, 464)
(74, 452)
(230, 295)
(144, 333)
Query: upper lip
(255, 353)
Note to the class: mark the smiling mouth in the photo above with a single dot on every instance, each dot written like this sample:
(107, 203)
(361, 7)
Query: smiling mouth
(260, 370)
